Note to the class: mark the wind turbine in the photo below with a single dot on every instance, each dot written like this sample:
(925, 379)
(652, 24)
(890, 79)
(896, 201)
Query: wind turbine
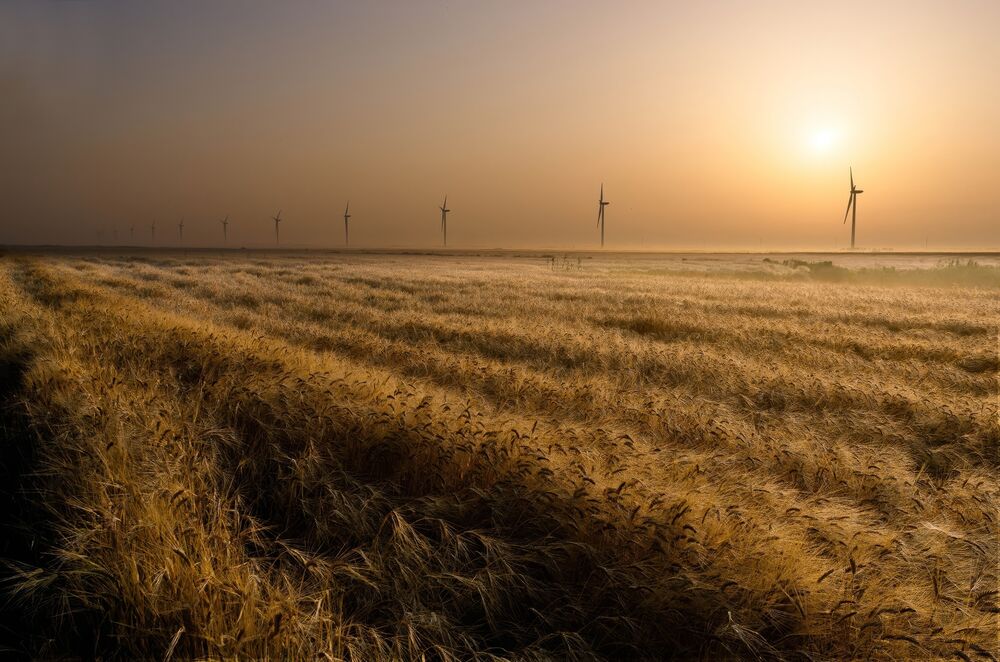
(601, 204)
(225, 229)
(276, 219)
(180, 230)
(852, 204)
(347, 217)
(131, 232)
(444, 219)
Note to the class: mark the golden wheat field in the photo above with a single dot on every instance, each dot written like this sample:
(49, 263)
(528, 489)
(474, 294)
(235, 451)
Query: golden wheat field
(453, 457)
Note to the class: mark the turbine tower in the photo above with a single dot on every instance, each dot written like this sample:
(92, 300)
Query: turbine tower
(131, 232)
(180, 231)
(444, 219)
(276, 219)
(225, 229)
(347, 218)
(601, 204)
(852, 206)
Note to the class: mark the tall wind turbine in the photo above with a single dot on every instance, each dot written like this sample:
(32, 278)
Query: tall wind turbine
(444, 219)
(225, 229)
(852, 204)
(601, 204)
(180, 231)
(131, 232)
(347, 218)
(277, 219)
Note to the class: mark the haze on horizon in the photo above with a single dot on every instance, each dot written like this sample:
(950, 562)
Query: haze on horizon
(711, 125)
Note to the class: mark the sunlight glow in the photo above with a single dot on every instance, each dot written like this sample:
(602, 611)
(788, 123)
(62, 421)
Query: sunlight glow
(822, 140)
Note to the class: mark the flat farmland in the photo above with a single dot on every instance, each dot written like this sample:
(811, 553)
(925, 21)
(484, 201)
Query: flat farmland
(526, 456)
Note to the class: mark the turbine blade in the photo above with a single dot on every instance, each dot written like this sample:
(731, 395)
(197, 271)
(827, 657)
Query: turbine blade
(850, 201)
(852, 178)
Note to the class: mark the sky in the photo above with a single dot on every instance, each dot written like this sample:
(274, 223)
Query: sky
(712, 125)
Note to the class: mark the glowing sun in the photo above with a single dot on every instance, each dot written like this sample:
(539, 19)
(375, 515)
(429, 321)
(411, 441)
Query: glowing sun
(823, 140)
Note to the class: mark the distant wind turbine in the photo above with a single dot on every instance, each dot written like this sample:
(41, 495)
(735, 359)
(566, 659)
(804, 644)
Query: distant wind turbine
(277, 219)
(852, 204)
(131, 232)
(225, 229)
(601, 204)
(180, 230)
(347, 218)
(444, 219)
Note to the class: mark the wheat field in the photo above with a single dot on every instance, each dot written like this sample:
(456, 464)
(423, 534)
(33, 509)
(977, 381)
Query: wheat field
(456, 457)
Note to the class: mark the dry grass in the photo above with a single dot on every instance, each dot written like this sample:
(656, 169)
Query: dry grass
(383, 458)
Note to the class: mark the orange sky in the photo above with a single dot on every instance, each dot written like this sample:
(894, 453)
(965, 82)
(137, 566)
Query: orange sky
(711, 124)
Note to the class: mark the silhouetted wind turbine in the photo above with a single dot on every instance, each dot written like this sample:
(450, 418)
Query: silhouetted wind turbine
(601, 204)
(277, 219)
(444, 219)
(180, 230)
(852, 203)
(225, 229)
(131, 232)
(347, 217)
